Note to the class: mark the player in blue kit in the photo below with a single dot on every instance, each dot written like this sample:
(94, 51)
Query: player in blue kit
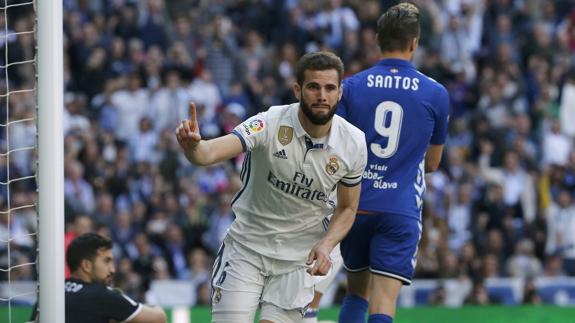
(404, 115)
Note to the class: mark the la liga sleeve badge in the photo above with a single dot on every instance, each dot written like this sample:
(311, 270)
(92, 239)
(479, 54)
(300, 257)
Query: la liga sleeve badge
(253, 126)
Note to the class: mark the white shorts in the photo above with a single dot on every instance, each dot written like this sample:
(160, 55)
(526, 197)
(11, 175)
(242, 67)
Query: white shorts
(322, 283)
(243, 279)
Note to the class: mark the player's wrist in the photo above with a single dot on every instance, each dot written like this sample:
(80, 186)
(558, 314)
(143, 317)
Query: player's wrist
(192, 151)
(328, 243)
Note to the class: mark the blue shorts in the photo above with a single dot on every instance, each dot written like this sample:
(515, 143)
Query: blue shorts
(386, 244)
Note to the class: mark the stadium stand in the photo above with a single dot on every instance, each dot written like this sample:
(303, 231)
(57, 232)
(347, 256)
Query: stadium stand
(499, 215)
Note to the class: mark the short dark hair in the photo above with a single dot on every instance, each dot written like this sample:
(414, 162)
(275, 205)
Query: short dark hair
(397, 27)
(318, 61)
(85, 246)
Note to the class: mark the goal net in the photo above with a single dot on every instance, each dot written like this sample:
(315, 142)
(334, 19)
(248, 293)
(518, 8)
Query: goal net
(18, 216)
(24, 68)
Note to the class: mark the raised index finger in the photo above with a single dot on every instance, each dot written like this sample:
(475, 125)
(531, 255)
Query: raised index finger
(193, 111)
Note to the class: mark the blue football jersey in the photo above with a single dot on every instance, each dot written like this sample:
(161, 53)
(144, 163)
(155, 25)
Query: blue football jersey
(401, 112)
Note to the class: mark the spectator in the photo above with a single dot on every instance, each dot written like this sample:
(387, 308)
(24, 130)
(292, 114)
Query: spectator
(199, 266)
(560, 226)
(131, 103)
(205, 92)
(123, 231)
(219, 222)
(478, 295)
(556, 145)
(169, 104)
(105, 209)
(78, 192)
(153, 23)
(530, 295)
(175, 250)
(82, 224)
(221, 52)
(518, 185)
(143, 145)
(523, 262)
(456, 48)
(567, 110)
(438, 296)
(459, 218)
(336, 20)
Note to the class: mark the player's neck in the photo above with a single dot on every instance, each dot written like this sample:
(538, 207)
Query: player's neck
(405, 55)
(313, 130)
(79, 275)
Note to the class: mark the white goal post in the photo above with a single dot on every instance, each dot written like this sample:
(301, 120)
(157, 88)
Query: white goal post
(50, 161)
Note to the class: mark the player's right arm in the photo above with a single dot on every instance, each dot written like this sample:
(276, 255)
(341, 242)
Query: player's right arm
(339, 226)
(348, 193)
(121, 308)
(149, 314)
(205, 152)
(433, 157)
(441, 118)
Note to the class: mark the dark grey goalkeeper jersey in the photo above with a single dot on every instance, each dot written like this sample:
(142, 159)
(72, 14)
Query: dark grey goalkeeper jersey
(97, 303)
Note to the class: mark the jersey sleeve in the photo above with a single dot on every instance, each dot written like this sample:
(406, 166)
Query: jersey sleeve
(441, 116)
(355, 174)
(119, 306)
(342, 105)
(252, 132)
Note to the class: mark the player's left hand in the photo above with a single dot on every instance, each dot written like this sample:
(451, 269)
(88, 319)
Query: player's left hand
(318, 259)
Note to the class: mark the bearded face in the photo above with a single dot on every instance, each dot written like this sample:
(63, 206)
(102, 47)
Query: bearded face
(319, 96)
(317, 113)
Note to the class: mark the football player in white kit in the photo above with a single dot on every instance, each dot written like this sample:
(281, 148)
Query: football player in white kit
(299, 159)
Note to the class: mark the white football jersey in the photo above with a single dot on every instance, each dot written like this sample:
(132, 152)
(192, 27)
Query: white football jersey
(289, 183)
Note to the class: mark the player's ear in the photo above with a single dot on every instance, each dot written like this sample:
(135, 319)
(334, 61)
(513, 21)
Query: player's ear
(297, 91)
(414, 44)
(86, 265)
(339, 91)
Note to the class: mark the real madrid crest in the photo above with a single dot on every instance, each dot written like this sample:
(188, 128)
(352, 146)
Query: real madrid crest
(333, 166)
(285, 135)
(217, 295)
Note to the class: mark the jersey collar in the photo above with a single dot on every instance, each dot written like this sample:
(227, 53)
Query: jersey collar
(300, 132)
(395, 62)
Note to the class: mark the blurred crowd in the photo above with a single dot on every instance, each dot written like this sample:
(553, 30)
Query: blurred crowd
(501, 205)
